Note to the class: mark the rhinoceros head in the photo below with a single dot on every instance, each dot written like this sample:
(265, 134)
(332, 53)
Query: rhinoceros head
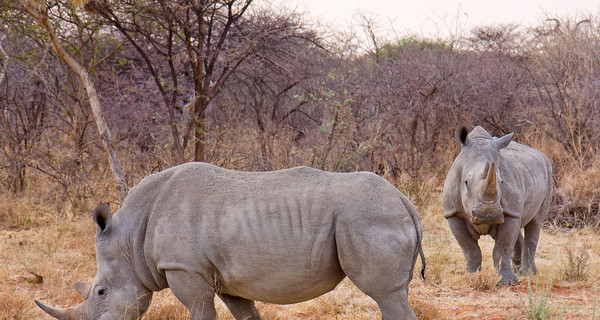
(480, 178)
(115, 292)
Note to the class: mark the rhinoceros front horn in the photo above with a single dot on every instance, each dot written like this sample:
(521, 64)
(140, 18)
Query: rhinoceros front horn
(58, 313)
(490, 189)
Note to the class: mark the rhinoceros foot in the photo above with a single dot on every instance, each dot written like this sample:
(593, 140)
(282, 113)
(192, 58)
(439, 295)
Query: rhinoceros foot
(508, 280)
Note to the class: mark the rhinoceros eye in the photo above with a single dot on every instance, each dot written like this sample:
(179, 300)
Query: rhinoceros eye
(101, 292)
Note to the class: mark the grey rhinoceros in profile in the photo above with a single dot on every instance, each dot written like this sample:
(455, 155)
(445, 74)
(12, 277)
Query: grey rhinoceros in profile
(496, 187)
(281, 237)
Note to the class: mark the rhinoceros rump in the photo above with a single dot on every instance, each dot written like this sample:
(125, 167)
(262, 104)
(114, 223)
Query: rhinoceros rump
(497, 186)
(282, 237)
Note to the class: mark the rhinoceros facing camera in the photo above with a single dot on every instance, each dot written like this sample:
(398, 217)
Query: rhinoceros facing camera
(497, 187)
(282, 237)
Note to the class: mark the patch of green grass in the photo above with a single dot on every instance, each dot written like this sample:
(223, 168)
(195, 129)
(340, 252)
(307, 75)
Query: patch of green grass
(49, 250)
(595, 309)
(538, 307)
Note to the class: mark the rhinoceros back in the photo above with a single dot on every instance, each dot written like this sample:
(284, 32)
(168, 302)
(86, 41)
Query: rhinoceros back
(528, 181)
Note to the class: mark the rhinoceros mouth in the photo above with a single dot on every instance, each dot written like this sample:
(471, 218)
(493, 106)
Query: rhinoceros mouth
(487, 213)
(478, 220)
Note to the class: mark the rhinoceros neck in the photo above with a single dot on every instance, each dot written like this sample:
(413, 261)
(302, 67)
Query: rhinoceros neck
(134, 224)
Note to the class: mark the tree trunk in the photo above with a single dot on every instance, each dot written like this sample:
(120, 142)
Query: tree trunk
(18, 182)
(42, 19)
(200, 130)
(4, 58)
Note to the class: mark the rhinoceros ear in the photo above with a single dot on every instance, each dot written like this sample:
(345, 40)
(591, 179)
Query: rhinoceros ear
(102, 216)
(460, 134)
(503, 141)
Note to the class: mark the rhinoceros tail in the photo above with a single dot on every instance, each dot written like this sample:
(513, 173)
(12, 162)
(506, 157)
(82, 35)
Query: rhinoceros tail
(414, 215)
(423, 261)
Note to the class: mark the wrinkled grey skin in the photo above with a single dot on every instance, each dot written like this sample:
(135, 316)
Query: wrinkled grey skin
(281, 237)
(497, 187)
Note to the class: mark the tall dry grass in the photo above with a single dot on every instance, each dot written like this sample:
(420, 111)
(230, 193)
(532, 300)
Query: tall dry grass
(576, 197)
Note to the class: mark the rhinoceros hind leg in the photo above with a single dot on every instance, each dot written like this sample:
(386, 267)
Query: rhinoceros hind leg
(194, 292)
(240, 308)
(516, 258)
(395, 306)
(532, 235)
(379, 260)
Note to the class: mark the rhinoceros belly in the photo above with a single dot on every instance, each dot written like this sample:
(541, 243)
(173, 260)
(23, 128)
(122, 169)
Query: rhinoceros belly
(282, 281)
(278, 261)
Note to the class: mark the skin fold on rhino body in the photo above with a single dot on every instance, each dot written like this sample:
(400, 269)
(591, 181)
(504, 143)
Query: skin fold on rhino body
(282, 237)
(497, 187)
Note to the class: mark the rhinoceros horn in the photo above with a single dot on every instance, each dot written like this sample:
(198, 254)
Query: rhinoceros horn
(83, 288)
(490, 189)
(61, 314)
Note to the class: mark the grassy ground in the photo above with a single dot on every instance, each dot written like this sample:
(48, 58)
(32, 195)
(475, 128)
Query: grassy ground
(44, 260)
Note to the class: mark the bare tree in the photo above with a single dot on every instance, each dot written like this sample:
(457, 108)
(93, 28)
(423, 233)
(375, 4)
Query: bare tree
(39, 12)
(4, 59)
(270, 91)
(565, 72)
(23, 119)
(215, 43)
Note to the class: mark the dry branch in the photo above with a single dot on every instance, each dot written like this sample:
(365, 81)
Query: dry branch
(41, 18)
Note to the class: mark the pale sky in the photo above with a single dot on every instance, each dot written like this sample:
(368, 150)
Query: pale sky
(439, 18)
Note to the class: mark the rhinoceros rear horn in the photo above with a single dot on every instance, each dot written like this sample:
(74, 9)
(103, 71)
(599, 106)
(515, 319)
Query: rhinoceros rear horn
(490, 189)
(58, 313)
(83, 288)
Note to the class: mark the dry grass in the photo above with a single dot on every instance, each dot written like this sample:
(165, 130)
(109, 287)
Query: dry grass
(576, 198)
(18, 213)
(11, 305)
(484, 280)
(575, 264)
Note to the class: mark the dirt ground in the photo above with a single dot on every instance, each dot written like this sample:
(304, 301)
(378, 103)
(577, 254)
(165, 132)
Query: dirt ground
(45, 261)
(459, 296)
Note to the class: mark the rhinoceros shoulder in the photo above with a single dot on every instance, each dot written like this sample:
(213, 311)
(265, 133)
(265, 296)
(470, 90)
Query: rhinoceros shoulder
(524, 155)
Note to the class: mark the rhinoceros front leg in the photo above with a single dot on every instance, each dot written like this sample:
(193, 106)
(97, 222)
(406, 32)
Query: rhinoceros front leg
(467, 243)
(506, 238)
(241, 309)
(194, 292)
